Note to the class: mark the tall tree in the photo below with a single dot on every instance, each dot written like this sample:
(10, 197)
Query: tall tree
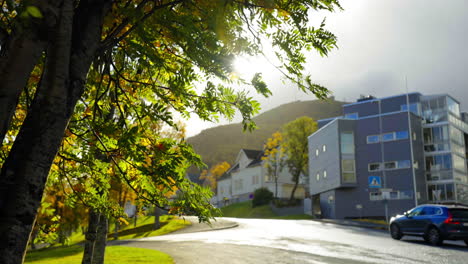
(273, 157)
(296, 147)
(163, 47)
(214, 173)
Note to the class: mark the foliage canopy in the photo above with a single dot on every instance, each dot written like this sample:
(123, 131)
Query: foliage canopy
(103, 72)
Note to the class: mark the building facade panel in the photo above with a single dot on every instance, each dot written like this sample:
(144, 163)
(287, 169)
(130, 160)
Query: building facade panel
(324, 169)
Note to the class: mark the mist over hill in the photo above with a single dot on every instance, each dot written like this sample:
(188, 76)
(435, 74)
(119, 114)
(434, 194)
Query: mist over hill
(223, 143)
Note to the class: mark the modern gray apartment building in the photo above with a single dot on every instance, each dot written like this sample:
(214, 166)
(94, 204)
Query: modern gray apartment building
(387, 155)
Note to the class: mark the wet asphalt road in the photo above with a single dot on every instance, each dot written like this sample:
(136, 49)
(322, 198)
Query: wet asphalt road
(299, 241)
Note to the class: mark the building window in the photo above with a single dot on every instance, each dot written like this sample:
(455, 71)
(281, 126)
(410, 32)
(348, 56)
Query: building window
(401, 135)
(352, 116)
(348, 172)
(324, 174)
(388, 136)
(347, 143)
(318, 176)
(373, 139)
(324, 148)
(453, 106)
(316, 152)
(374, 166)
(404, 164)
(413, 107)
(390, 165)
(439, 162)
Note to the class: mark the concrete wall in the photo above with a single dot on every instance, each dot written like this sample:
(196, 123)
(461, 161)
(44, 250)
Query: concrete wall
(287, 210)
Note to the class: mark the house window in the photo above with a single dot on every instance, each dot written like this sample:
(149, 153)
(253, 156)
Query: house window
(255, 179)
(325, 174)
(373, 139)
(388, 136)
(324, 148)
(316, 152)
(318, 176)
(374, 167)
(347, 169)
(404, 164)
(390, 165)
(401, 135)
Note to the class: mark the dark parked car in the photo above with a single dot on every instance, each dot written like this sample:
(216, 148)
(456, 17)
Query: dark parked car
(434, 222)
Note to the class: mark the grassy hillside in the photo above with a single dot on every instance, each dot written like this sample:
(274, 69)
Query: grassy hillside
(222, 143)
(245, 210)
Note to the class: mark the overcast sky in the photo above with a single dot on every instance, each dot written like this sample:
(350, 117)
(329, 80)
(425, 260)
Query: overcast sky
(382, 42)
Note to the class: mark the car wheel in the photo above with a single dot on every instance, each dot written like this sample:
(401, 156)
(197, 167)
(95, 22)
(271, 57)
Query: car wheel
(395, 232)
(433, 236)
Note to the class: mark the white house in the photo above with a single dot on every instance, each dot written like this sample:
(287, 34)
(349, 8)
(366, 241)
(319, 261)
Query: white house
(248, 174)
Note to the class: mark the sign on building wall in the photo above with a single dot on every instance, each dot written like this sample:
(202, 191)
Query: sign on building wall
(375, 182)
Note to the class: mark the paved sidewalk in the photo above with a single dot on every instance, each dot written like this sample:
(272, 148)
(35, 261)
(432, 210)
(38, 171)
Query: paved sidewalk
(353, 223)
(217, 224)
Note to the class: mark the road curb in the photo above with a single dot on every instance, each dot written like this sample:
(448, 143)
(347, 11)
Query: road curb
(352, 223)
(196, 227)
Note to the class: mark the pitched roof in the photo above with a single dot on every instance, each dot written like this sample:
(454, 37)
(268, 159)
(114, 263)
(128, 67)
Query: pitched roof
(257, 159)
(252, 154)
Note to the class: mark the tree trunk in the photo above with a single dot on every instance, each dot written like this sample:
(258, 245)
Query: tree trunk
(96, 239)
(157, 222)
(19, 55)
(24, 173)
(276, 182)
(296, 182)
(116, 229)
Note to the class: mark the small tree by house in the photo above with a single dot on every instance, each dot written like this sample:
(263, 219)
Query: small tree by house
(273, 157)
(296, 147)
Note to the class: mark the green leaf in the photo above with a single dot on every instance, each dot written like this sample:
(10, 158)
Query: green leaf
(34, 11)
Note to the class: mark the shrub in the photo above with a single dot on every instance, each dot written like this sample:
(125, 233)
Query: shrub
(262, 196)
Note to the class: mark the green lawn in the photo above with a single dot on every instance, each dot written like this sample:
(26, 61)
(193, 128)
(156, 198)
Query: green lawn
(144, 228)
(114, 255)
(245, 210)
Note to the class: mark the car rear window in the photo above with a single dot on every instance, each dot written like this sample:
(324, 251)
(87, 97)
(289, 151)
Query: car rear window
(459, 213)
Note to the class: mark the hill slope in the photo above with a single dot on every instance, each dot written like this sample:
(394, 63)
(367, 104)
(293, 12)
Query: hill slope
(223, 143)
